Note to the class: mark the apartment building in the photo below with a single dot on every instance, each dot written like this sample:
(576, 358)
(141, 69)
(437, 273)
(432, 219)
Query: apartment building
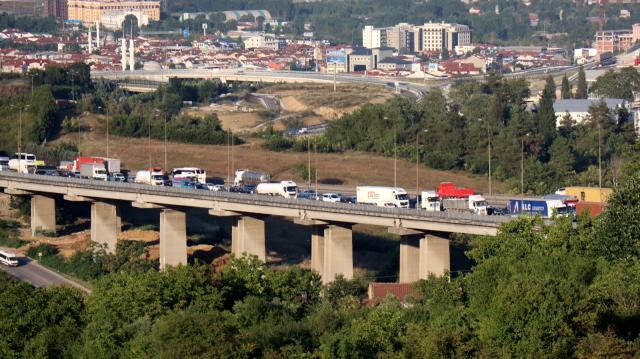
(264, 42)
(430, 37)
(616, 40)
(435, 37)
(55, 8)
(90, 11)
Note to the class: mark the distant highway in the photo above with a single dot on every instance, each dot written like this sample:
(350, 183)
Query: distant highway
(39, 276)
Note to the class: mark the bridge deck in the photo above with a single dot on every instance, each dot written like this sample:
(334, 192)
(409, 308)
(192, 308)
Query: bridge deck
(253, 204)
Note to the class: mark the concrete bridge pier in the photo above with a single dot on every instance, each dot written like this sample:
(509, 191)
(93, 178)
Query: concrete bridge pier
(435, 257)
(247, 236)
(43, 214)
(422, 254)
(173, 238)
(106, 224)
(338, 252)
(410, 258)
(317, 248)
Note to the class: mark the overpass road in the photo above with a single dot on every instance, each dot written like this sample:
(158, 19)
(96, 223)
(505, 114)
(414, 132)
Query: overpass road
(424, 247)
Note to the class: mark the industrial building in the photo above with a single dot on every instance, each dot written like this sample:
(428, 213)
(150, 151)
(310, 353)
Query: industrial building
(90, 11)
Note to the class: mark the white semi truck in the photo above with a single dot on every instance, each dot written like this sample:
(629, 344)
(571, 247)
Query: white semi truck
(382, 196)
(23, 162)
(152, 176)
(430, 201)
(286, 189)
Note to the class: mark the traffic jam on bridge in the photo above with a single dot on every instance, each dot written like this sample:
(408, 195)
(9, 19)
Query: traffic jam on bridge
(447, 197)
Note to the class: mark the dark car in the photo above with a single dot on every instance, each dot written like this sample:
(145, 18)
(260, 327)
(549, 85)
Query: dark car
(347, 199)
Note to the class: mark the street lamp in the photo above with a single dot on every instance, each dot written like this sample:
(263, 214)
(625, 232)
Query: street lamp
(599, 156)
(488, 152)
(106, 108)
(418, 167)
(308, 161)
(522, 168)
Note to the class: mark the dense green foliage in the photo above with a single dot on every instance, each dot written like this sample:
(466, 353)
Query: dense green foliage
(342, 21)
(28, 23)
(95, 262)
(145, 114)
(454, 134)
(9, 234)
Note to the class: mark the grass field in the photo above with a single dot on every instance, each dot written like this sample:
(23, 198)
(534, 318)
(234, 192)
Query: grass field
(350, 169)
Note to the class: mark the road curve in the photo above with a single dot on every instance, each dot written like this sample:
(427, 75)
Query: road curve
(39, 276)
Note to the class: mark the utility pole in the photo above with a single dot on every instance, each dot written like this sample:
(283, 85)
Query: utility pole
(335, 74)
(165, 142)
(599, 157)
(315, 145)
(489, 151)
(232, 154)
(417, 170)
(229, 157)
(522, 172)
(149, 147)
(107, 108)
(20, 141)
(308, 161)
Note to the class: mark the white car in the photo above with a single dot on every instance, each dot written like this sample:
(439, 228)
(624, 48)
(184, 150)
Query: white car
(216, 187)
(330, 197)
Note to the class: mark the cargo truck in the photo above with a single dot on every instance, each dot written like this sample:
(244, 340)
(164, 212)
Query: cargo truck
(153, 176)
(474, 203)
(4, 161)
(250, 178)
(94, 171)
(286, 189)
(23, 163)
(546, 208)
(587, 194)
(382, 196)
(430, 201)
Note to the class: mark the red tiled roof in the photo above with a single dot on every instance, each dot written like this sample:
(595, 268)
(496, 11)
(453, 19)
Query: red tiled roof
(399, 290)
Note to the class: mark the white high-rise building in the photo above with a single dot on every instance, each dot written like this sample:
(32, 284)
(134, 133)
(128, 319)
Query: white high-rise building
(407, 37)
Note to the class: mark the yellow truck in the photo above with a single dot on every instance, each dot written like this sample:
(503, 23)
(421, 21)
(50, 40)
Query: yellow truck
(588, 194)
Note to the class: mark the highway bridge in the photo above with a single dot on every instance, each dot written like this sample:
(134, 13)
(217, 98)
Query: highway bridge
(424, 246)
(265, 76)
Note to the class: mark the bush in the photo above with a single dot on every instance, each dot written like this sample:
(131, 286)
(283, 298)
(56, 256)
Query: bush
(45, 249)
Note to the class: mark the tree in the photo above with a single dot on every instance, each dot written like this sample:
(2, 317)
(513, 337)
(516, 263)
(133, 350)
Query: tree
(546, 114)
(566, 88)
(581, 88)
(617, 234)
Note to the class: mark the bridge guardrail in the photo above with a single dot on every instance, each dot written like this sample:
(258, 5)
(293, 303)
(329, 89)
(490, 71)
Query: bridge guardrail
(302, 204)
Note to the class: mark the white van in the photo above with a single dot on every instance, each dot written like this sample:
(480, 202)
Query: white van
(8, 259)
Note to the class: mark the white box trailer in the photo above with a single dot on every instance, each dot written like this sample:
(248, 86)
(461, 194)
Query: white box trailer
(475, 203)
(112, 165)
(382, 196)
(286, 189)
(154, 177)
(93, 171)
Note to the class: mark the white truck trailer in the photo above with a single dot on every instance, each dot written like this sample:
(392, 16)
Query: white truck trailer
(286, 189)
(382, 196)
(250, 178)
(475, 203)
(93, 171)
(152, 176)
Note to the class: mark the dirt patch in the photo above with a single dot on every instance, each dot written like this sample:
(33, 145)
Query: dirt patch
(292, 104)
(140, 235)
(239, 121)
